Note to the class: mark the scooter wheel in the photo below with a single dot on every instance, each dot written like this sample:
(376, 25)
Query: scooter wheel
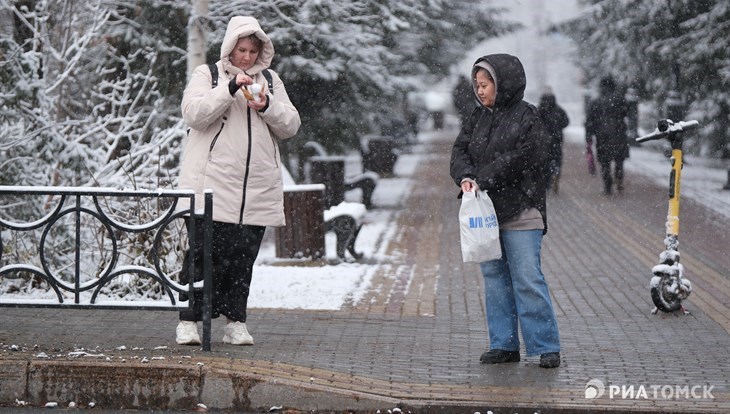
(663, 299)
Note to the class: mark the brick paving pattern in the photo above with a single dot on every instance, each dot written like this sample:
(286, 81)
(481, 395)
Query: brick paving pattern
(416, 336)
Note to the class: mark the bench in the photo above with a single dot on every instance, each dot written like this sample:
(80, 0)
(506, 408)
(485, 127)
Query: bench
(344, 220)
(308, 219)
(319, 167)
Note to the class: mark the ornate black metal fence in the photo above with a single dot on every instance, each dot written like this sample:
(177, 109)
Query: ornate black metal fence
(79, 247)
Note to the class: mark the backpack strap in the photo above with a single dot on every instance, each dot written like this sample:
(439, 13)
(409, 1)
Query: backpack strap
(214, 74)
(267, 75)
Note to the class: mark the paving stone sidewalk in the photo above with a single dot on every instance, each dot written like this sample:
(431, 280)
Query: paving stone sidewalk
(414, 340)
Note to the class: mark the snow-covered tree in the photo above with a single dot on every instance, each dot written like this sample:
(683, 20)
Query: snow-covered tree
(659, 46)
(197, 35)
(91, 90)
(348, 64)
(83, 105)
(82, 102)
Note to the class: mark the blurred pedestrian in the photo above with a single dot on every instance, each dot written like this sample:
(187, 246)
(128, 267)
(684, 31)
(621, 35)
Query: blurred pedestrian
(555, 119)
(232, 149)
(503, 149)
(463, 99)
(606, 122)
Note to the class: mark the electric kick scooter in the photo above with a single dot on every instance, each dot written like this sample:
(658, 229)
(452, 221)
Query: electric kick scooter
(668, 287)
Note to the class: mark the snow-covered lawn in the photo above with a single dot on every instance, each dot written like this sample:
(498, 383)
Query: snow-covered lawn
(277, 284)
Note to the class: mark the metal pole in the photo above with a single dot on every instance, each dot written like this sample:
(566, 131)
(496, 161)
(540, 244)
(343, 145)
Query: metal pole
(207, 269)
(77, 253)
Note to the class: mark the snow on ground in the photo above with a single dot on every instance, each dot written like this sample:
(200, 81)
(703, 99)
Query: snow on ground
(702, 179)
(330, 286)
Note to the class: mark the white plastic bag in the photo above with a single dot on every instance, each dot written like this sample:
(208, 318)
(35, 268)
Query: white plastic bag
(479, 228)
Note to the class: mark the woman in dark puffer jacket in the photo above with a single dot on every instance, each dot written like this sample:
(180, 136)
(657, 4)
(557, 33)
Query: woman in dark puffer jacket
(503, 149)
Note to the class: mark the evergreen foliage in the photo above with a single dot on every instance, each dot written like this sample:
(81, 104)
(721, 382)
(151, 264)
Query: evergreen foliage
(348, 65)
(660, 46)
(91, 90)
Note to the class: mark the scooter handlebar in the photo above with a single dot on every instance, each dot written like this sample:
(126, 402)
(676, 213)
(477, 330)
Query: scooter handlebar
(666, 127)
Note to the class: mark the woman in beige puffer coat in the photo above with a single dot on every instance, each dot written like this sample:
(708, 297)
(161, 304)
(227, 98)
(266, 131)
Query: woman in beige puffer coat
(232, 149)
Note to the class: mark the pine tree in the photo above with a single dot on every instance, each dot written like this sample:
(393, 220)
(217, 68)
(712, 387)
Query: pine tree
(658, 47)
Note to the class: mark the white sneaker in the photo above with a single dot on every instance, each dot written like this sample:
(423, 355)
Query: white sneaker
(187, 333)
(237, 334)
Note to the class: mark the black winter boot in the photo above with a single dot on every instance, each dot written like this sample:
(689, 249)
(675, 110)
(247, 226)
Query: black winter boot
(550, 360)
(498, 356)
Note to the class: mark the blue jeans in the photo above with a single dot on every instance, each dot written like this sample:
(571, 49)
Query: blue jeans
(516, 291)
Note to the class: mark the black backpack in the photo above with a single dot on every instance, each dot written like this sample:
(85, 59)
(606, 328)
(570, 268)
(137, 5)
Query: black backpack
(214, 73)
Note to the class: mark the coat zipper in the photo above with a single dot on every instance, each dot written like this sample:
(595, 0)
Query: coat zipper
(248, 162)
(215, 138)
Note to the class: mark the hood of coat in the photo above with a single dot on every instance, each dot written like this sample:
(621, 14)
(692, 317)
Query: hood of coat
(510, 79)
(242, 26)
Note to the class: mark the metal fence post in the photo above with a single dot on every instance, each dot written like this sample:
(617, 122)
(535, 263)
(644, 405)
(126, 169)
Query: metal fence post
(77, 252)
(207, 269)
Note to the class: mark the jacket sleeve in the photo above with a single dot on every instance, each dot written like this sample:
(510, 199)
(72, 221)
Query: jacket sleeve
(590, 123)
(461, 163)
(201, 104)
(563, 120)
(281, 116)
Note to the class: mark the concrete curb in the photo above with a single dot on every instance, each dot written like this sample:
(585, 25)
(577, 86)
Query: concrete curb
(221, 384)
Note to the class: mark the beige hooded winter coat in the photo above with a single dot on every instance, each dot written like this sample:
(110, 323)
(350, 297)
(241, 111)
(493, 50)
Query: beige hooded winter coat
(232, 149)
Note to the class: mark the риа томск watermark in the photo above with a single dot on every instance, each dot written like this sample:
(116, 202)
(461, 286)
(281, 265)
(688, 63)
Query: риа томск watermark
(596, 388)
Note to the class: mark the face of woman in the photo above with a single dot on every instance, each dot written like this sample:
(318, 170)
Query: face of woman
(245, 53)
(485, 88)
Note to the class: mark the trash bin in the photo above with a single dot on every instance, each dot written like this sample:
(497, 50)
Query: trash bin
(303, 235)
(330, 171)
(378, 154)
